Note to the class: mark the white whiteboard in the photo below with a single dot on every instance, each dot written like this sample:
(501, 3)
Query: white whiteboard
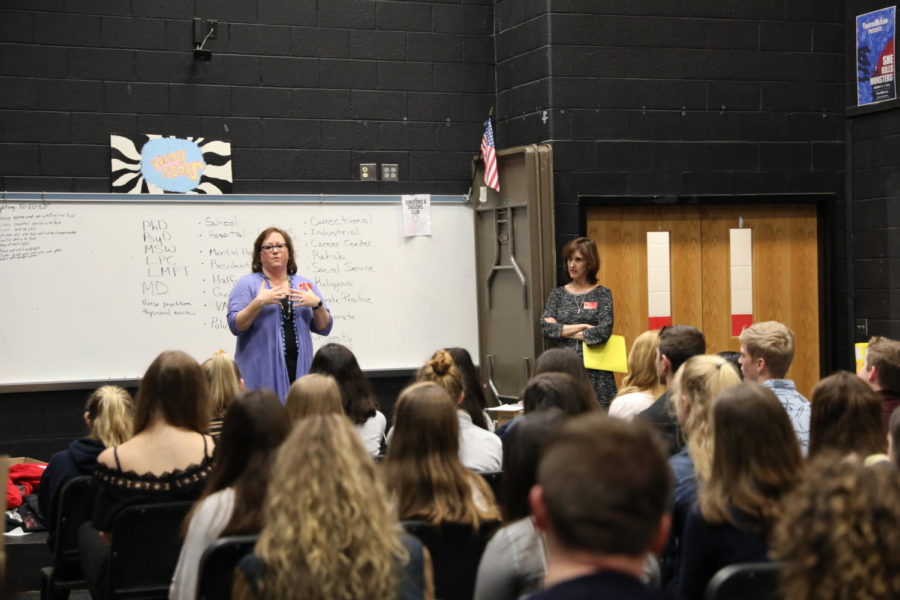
(95, 286)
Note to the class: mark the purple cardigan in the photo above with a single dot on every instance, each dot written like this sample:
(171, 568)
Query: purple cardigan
(260, 349)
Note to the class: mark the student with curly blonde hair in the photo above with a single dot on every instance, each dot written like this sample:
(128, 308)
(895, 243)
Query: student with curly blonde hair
(313, 394)
(839, 534)
(641, 386)
(108, 415)
(756, 461)
(423, 469)
(330, 531)
(479, 449)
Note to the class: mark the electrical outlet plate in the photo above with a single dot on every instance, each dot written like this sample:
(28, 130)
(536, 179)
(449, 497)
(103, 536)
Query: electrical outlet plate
(367, 172)
(390, 172)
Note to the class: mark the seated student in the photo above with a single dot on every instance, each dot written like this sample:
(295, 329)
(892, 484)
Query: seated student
(601, 496)
(313, 394)
(167, 460)
(225, 384)
(695, 388)
(756, 461)
(839, 532)
(329, 527)
(640, 387)
(514, 560)
(255, 426)
(560, 380)
(881, 371)
(479, 449)
(676, 344)
(360, 403)
(423, 470)
(474, 401)
(845, 417)
(767, 351)
(109, 419)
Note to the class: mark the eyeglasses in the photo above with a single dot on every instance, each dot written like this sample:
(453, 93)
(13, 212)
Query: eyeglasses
(272, 247)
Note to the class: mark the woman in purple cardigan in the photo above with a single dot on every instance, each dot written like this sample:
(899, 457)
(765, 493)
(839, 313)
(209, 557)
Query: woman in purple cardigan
(272, 311)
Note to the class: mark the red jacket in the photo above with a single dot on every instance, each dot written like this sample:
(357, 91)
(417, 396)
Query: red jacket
(23, 479)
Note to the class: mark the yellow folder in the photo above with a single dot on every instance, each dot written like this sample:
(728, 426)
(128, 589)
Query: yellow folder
(610, 356)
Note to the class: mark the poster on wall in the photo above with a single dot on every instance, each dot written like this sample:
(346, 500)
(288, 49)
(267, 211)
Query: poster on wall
(158, 164)
(875, 80)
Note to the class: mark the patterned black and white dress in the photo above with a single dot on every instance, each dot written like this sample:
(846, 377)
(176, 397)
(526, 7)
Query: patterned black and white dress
(594, 308)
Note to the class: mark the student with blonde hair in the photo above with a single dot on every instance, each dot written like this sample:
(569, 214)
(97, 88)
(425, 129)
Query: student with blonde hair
(767, 351)
(479, 449)
(697, 384)
(329, 528)
(108, 415)
(641, 386)
(313, 394)
(225, 384)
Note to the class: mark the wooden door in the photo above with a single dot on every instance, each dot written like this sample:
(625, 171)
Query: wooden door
(785, 270)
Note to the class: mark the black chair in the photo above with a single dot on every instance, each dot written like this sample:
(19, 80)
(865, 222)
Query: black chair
(745, 581)
(456, 550)
(146, 541)
(74, 507)
(216, 572)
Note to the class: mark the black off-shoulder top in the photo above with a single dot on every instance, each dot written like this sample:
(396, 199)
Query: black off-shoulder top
(119, 489)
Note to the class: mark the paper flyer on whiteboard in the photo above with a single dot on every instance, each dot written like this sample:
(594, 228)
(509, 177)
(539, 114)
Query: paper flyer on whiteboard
(875, 32)
(416, 214)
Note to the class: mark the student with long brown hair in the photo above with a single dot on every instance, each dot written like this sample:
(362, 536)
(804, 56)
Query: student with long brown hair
(479, 449)
(756, 462)
(474, 401)
(423, 469)
(167, 460)
(359, 401)
(845, 417)
(330, 530)
(254, 427)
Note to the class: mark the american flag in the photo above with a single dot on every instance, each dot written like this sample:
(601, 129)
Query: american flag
(491, 177)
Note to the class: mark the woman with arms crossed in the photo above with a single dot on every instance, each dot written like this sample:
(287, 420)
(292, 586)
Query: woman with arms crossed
(582, 311)
(272, 311)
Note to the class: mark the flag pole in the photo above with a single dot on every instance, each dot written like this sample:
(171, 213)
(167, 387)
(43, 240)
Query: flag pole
(475, 171)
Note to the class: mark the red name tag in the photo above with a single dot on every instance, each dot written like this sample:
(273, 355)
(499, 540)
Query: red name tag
(306, 287)
(590, 306)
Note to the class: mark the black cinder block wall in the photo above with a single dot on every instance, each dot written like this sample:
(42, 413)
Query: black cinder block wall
(873, 146)
(305, 90)
(672, 100)
(679, 100)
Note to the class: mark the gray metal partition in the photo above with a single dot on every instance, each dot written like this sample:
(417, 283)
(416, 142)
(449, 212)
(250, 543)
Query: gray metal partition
(514, 237)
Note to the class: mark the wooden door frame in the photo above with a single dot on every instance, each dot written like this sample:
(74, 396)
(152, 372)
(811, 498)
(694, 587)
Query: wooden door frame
(825, 217)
